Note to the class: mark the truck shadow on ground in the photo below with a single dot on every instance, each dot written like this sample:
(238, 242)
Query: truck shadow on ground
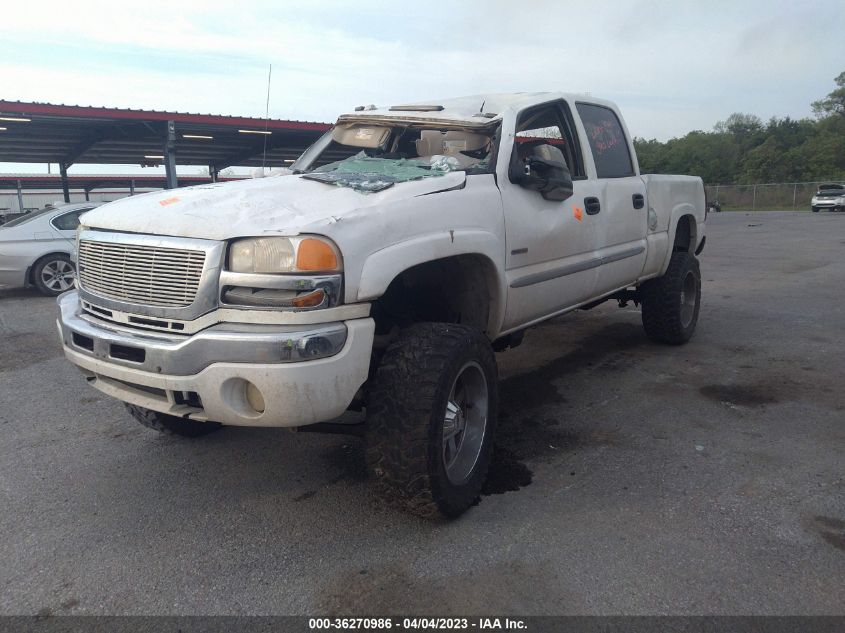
(528, 430)
(533, 425)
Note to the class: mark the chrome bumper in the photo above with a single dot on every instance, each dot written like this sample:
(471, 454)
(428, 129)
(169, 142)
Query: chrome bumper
(302, 375)
(180, 355)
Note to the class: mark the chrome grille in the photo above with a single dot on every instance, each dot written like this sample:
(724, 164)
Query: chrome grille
(140, 274)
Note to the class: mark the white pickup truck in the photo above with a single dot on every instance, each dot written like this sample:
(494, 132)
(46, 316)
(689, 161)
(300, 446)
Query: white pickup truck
(407, 245)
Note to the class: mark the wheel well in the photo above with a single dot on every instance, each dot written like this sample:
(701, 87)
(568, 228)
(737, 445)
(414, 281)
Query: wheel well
(685, 234)
(30, 273)
(460, 289)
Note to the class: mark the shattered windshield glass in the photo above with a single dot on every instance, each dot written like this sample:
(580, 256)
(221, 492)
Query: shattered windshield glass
(367, 175)
(373, 157)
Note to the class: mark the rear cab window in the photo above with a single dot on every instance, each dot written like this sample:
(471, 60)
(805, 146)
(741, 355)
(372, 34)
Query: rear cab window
(607, 141)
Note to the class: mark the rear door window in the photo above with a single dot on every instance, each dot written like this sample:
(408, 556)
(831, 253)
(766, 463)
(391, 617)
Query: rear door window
(607, 141)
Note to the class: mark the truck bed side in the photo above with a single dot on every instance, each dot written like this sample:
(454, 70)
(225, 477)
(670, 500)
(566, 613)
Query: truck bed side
(671, 198)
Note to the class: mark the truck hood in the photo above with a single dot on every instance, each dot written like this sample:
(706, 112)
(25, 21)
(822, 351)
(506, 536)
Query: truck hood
(275, 205)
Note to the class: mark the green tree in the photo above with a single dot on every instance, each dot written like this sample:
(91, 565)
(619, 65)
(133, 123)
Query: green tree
(834, 103)
(743, 150)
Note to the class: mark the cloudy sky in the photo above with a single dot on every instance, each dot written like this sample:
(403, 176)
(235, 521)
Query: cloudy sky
(672, 66)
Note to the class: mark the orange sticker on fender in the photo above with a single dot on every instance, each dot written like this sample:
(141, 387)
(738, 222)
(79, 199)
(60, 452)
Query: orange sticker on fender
(578, 213)
(167, 201)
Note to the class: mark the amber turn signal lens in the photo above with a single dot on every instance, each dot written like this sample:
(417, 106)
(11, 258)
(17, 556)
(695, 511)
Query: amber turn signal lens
(315, 255)
(312, 299)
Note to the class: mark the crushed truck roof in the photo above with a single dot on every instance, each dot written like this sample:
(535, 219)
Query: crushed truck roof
(480, 110)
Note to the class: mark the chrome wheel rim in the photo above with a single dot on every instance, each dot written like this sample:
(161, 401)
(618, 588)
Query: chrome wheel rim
(57, 275)
(689, 297)
(465, 423)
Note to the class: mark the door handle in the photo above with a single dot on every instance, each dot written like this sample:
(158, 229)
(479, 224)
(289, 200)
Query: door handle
(592, 205)
(639, 200)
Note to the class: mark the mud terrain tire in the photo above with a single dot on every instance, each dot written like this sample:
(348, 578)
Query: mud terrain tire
(433, 379)
(671, 302)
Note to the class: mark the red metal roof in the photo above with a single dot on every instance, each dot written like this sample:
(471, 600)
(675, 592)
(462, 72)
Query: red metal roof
(74, 134)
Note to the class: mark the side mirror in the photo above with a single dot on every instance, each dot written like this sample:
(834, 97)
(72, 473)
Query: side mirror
(543, 170)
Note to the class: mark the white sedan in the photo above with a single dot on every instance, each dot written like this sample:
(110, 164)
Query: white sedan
(36, 248)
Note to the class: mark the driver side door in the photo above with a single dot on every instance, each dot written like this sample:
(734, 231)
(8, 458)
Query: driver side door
(550, 244)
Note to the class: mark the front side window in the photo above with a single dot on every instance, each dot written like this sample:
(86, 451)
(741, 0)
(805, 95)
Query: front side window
(607, 141)
(547, 125)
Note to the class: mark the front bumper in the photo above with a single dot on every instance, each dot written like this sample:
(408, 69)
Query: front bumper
(305, 374)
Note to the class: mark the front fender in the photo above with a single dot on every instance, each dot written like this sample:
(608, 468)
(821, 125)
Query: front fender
(383, 266)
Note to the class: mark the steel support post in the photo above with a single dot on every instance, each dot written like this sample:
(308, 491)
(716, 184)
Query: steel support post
(170, 156)
(65, 186)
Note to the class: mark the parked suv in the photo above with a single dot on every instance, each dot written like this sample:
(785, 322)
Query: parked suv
(830, 197)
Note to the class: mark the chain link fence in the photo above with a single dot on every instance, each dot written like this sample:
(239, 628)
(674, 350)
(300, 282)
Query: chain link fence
(793, 196)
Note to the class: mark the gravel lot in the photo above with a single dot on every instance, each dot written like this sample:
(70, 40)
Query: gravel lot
(706, 479)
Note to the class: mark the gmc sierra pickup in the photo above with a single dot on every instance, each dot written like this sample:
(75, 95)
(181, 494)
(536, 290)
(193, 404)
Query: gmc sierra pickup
(405, 247)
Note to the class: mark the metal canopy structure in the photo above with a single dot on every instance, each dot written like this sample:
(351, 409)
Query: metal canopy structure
(67, 135)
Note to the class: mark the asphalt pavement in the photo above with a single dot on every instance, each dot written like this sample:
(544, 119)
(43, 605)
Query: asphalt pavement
(631, 478)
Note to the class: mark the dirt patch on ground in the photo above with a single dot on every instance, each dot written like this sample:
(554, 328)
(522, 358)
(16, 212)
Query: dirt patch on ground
(20, 350)
(398, 588)
(756, 395)
(831, 530)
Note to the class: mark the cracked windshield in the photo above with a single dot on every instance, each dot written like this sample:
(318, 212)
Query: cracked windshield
(371, 158)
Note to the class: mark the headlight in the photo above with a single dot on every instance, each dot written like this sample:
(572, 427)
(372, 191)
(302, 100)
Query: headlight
(298, 273)
(268, 255)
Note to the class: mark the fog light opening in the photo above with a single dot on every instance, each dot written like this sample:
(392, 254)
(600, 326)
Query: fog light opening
(253, 397)
(244, 398)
